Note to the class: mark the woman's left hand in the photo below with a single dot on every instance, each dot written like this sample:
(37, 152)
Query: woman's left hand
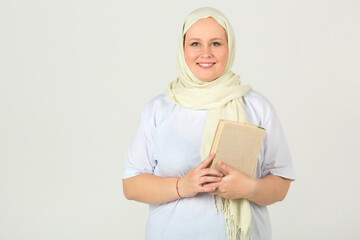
(234, 184)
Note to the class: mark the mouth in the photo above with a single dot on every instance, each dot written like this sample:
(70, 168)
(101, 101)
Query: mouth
(205, 65)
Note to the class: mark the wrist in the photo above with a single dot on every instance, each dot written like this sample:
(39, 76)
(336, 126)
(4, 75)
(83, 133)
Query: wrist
(177, 188)
(253, 188)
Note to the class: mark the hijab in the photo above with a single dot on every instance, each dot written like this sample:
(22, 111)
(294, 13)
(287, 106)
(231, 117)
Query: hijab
(222, 97)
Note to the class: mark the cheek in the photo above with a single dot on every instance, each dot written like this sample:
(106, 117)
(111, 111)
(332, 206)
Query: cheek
(223, 56)
(190, 56)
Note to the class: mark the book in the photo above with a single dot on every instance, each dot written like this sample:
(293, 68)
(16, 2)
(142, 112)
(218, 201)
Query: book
(237, 145)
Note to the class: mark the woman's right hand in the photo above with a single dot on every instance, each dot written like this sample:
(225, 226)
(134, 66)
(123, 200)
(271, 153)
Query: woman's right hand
(193, 182)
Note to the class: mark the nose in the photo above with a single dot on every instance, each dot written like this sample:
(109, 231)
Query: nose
(206, 52)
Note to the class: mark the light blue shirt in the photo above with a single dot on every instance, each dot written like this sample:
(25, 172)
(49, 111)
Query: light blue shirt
(167, 143)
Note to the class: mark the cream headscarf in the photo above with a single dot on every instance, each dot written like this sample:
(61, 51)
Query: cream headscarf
(223, 98)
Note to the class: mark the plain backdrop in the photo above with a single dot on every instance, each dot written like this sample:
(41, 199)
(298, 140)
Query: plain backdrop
(75, 75)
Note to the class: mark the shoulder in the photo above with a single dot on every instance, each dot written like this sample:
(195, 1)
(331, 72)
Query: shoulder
(258, 107)
(156, 108)
(156, 104)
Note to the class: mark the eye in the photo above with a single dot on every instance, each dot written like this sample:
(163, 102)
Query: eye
(215, 44)
(195, 44)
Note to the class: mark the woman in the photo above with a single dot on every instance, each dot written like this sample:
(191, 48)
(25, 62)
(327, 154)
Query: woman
(164, 166)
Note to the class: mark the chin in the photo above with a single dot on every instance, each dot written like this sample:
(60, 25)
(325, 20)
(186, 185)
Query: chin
(207, 79)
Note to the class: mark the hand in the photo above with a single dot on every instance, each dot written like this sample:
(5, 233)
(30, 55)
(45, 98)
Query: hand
(199, 179)
(234, 185)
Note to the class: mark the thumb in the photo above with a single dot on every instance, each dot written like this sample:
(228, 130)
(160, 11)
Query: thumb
(225, 168)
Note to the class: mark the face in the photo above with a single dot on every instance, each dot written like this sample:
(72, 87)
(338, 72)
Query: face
(206, 49)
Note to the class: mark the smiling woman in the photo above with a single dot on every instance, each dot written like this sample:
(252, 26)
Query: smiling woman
(166, 164)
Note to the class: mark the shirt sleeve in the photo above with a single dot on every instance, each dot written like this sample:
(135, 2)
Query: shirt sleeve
(277, 157)
(139, 156)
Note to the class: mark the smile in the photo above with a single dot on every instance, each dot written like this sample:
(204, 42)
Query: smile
(205, 65)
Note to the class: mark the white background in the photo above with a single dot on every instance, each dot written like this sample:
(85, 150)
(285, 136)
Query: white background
(75, 75)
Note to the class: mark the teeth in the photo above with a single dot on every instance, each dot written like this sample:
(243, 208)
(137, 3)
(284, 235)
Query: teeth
(206, 64)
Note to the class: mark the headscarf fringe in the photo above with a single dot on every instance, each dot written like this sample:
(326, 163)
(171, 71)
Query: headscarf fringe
(233, 230)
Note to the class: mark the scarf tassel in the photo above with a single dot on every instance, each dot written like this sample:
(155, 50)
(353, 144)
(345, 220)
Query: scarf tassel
(235, 231)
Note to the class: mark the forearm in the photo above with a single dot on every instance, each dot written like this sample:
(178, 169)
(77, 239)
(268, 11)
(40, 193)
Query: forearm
(150, 189)
(269, 190)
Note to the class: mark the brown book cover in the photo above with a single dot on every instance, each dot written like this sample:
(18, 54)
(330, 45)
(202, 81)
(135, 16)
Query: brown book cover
(237, 145)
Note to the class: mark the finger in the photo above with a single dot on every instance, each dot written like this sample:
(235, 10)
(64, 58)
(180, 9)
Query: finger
(211, 172)
(210, 180)
(207, 161)
(207, 189)
(226, 169)
(212, 185)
